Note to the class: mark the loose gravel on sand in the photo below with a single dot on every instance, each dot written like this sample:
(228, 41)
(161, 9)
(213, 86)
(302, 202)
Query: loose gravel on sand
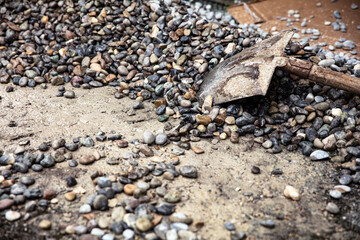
(159, 52)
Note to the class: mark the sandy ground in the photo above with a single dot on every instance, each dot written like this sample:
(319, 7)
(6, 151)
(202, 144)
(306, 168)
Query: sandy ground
(225, 190)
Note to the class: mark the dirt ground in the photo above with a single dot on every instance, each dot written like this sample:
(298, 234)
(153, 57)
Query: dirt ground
(225, 190)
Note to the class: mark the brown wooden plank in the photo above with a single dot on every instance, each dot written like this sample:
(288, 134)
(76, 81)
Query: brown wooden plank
(270, 9)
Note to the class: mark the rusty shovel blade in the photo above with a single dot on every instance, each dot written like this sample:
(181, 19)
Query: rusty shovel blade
(247, 73)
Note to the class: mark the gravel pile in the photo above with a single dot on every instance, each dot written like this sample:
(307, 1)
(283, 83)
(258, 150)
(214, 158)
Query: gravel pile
(159, 51)
(148, 212)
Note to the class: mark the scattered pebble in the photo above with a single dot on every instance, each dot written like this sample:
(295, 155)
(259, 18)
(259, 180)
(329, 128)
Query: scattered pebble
(12, 215)
(332, 208)
(291, 192)
(45, 224)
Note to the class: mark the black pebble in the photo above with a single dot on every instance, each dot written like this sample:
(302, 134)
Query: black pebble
(70, 181)
(255, 170)
(277, 171)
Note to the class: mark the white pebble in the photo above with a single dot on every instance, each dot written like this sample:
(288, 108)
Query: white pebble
(291, 192)
(12, 215)
(336, 112)
(148, 137)
(97, 232)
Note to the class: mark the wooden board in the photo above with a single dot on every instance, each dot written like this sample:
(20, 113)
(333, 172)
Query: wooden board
(268, 10)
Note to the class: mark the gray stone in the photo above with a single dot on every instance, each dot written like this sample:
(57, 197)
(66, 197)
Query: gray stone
(161, 138)
(103, 182)
(18, 188)
(138, 105)
(47, 161)
(148, 137)
(335, 194)
(267, 223)
(128, 234)
(81, 229)
(30, 74)
(188, 171)
(12, 215)
(345, 180)
(326, 62)
(319, 155)
(23, 81)
(100, 202)
(332, 208)
(86, 208)
(69, 94)
(97, 232)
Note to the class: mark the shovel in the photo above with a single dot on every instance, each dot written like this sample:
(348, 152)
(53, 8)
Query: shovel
(249, 72)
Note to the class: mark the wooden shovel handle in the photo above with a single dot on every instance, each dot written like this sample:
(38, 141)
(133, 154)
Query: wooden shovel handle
(322, 75)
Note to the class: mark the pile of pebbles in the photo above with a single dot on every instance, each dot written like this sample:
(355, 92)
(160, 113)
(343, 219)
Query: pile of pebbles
(149, 212)
(213, 12)
(159, 51)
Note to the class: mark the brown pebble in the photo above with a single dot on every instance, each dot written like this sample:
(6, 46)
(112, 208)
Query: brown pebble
(129, 189)
(197, 150)
(156, 219)
(122, 143)
(130, 75)
(86, 159)
(8, 183)
(144, 149)
(69, 35)
(44, 19)
(234, 137)
(45, 224)
(70, 196)
(49, 194)
(203, 119)
(168, 176)
(6, 203)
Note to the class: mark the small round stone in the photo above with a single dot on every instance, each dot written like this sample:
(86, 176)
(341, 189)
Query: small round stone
(6, 203)
(335, 194)
(319, 155)
(73, 163)
(108, 236)
(188, 171)
(70, 181)
(129, 189)
(161, 138)
(12, 215)
(86, 159)
(143, 224)
(291, 192)
(70, 196)
(267, 223)
(230, 226)
(128, 234)
(165, 208)
(345, 180)
(255, 170)
(81, 229)
(69, 94)
(332, 208)
(138, 105)
(97, 232)
(47, 161)
(45, 224)
(172, 197)
(148, 137)
(86, 208)
(27, 180)
(103, 182)
(100, 202)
